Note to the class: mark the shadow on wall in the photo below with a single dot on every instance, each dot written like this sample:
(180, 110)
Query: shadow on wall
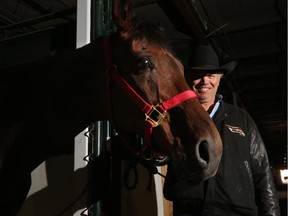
(62, 186)
(58, 190)
(55, 186)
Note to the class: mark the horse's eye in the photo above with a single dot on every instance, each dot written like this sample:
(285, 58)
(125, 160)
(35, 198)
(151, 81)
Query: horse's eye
(144, 64)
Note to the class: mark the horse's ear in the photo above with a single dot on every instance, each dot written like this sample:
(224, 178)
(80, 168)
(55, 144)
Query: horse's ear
(160, 29)
(123, 15)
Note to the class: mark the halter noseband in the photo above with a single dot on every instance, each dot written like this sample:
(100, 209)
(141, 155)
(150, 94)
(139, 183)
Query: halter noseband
(154, 114)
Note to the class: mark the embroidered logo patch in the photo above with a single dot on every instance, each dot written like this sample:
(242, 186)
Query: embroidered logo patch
(235, 129)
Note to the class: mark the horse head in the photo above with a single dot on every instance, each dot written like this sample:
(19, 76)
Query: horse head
(151, 98)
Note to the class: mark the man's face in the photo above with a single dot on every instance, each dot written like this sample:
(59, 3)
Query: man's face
(205, 85)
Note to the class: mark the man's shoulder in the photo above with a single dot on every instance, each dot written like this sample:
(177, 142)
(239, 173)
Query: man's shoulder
(231, 108)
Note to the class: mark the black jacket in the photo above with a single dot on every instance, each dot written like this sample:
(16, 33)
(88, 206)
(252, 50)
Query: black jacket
(243, 184)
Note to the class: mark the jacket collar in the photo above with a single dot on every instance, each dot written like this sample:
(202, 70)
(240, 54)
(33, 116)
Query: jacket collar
(218, 100)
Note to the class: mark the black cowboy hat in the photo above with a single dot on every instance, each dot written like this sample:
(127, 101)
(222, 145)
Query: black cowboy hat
(206, 60)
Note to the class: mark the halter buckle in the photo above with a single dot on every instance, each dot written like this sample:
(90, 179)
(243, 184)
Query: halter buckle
(155, 116)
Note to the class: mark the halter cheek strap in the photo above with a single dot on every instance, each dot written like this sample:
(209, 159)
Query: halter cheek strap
(161, 111)
(154, 114)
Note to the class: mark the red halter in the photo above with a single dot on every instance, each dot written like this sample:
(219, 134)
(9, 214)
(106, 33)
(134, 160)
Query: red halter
(150, 111)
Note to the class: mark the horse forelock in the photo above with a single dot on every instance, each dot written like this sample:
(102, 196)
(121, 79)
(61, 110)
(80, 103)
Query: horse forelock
(152, 34)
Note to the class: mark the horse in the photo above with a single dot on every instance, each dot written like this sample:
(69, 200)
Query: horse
(131, 78)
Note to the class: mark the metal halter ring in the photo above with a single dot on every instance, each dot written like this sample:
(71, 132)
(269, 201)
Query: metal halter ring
(155, 116)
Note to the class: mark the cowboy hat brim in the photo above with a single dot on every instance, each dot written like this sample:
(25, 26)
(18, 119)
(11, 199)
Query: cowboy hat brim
(225, 69)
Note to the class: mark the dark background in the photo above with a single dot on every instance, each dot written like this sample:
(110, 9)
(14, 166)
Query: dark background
(252, 32)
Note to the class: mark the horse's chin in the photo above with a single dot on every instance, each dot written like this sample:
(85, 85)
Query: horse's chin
(191, 179)
(190, 173)
(196, 178)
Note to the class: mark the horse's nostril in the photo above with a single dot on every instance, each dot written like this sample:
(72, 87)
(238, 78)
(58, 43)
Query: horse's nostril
(204, 153)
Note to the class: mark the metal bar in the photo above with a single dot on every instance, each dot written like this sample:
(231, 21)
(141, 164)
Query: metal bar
(39, 8)
(82, 38)
(185, 18)
(40, 19)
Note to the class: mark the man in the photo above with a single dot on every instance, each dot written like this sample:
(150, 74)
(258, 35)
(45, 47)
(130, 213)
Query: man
(243, 184)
